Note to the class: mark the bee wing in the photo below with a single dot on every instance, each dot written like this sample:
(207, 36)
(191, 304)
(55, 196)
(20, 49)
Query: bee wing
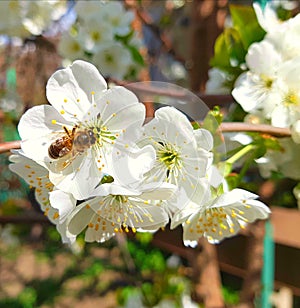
(37, 148)
(75, 174)
(64, 162)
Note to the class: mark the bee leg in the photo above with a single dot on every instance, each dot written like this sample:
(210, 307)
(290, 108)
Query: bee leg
(74, 129)
(67, 131)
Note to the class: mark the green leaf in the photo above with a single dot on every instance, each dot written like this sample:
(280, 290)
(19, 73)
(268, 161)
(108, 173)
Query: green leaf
(229, 55)
(221, 57)
(196, 125)
(229, 48)
(136, 56)
(233, 180)
(125, 38)
(225, 168)
(245, 21)
(213, 120)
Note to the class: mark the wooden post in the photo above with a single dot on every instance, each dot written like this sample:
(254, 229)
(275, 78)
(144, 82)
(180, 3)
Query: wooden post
(207, 22)
(206, 276)
(252, 282)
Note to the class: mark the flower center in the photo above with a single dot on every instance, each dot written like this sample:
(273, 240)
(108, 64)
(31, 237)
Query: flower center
(75, 47)
(169, 156)
(96, 36)
(109, 58)
(290, 99)
(125, 210)
(115, 21)
(267, 81)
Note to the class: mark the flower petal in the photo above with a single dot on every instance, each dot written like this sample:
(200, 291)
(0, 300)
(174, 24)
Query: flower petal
(129, 167)
(79, 219)
(40, 121)
(72, 90)
(100, 230)
(79, 178)
(63, 202)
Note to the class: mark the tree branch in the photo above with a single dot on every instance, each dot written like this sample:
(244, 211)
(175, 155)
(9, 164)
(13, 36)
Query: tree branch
(259, 128)
(7, 146)
(224, 127)
(210, 100)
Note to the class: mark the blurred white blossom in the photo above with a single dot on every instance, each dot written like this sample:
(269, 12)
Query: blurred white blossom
(103, 35)
(22, 18)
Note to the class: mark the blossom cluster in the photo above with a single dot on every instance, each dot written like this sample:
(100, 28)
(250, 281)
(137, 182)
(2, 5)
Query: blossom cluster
(270, 88)
(269, 91)
(267, 85)
(97, 166)
(23, 18)
(102, 34)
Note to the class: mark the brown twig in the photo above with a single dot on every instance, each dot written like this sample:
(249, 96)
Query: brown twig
(147, 88)
(29, 218)
(225, 127)
(7, 146)
(258, 128)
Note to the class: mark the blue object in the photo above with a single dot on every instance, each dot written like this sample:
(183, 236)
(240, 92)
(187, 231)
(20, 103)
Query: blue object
(262, 3)
(268, 267)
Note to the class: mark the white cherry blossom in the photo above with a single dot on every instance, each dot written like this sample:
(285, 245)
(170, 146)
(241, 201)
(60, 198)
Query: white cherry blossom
(103, 32)
(182, 153)
(295, 131)
(22, 18)
(95, 31)
(253, 87)
(267, 17)
(216, 83)
(112, 59)
(115, 208)
(71, 47)
(285, 161)
(285, 38)
(285, 94)
(223, 216)
(80, 103)
(117, 17)
(40, 14)
(38, 178)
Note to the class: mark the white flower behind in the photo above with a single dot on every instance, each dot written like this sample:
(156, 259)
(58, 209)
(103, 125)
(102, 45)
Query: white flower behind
(285, 161)
(105, 33)
(216, 83)
(113, 59)
(253, 87)
(267, 17)
(72, 46)
(295, 131)
(285, 38)
(285, 94)
(11, 18)
(22, 18)
(117, 17)
(95, 32)
(40, 14)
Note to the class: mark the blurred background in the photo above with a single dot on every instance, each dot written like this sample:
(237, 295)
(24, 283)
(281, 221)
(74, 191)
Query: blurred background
(169, 41)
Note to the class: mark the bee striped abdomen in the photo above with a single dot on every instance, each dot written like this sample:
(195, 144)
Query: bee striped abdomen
(60, 147)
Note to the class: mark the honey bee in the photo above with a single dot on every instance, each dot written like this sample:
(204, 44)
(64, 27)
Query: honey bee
(73, 143)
